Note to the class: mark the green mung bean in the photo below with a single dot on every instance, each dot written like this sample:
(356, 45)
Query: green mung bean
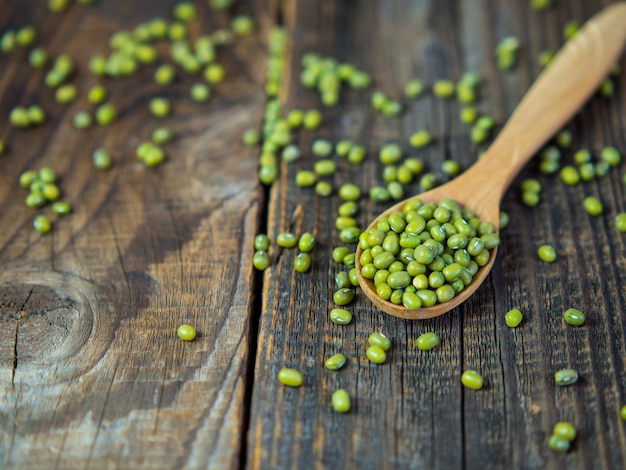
(82, 120)
(472, 379)
(565, 430)
(7, 41)
(340, 316)
(546, 253)
(305, 178)
(544, 58)
(343, 296)
(47, 174)
(286, 240)
(36, 115)
(61, 208)
(161, 135)
(323, 189)
(592, 206)
(312, 119)
(558, 443)
(340, 401)
(348, 209)
(414, 88)
(101, 159)
(574, 317)
(565, 377)
(154, 156)
(42, 224)
(261, 260)
(66, 94)
(302, 262)
(159, 107)
(376, 354)
(322, 148)
(420, 139)
(468, 115)
(335, 362)
(290, 153)
(540, 4)
(427, 341)
(306, 242)
(380, 340)
(19, 117)
(261, 242)
(325, 167)
(199, 92)
(356, 154)
(513, 318)
(186, 332)
(290, 377)
(106, 114)
(611, 156)
(444, 88)
(570, 29)
(569, 175)
(390, 153)
(37, 57)
(349, 192)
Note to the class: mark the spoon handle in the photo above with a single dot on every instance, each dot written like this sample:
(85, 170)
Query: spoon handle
(558, 93)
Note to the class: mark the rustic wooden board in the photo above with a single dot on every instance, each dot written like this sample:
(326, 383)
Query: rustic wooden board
(92, 374)
(412, 412)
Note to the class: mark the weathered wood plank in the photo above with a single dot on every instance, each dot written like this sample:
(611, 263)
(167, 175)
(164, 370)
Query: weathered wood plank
(412, 412)
(92, 372)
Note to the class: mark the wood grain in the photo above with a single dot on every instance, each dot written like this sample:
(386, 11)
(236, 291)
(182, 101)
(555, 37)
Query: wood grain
(412, 412)
(92, 372)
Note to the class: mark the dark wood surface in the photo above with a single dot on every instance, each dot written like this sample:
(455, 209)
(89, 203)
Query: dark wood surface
(92, 374)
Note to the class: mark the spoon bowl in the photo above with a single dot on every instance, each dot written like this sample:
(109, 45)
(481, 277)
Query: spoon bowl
(559, 92)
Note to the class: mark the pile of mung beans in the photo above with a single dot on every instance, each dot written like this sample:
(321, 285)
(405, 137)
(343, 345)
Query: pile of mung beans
(426, 253)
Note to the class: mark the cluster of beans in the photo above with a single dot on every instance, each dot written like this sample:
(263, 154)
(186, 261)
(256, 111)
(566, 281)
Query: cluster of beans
(301, 263)
(42, 190)
(426, 253)
(129, 50)
(12, 39)
(326, 75)
(562, 436)
(276, 135)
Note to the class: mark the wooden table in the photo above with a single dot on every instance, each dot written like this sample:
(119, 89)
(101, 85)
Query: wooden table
(92, 374)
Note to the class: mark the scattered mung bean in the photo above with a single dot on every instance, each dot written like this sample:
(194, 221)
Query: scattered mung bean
(573, 317)
(290, 377)
(186, 332)
(340, 316)
(335, 362)
(427, 341)
(546, 253)
(513, 318)
(472, 379)
(565, 377)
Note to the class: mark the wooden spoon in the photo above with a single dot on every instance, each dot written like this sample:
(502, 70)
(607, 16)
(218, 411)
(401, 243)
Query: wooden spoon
(571, 78)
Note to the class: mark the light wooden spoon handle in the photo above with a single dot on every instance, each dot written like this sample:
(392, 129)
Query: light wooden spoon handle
(558, 93)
